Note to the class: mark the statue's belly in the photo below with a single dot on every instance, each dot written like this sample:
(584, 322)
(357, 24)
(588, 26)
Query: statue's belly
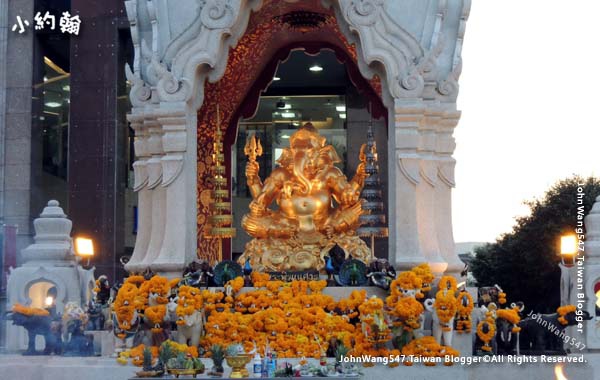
(307, 209)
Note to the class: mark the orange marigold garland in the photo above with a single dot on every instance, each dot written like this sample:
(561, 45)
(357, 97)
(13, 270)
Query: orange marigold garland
(259, 279)
(429, 349)
(445, 308)
(501, 298)
(563, 311)
(486, 337)
(464, 309)
(156, 316)
(407, 310)
(423, 271)
(125, 307)
(29, 311)
(512, 316)
(447, 283)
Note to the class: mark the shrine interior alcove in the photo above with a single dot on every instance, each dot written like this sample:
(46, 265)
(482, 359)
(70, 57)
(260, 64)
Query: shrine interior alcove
(270, 88)
(315, 88)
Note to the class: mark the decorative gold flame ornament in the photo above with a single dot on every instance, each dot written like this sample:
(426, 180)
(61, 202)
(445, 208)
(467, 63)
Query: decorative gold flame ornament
(219, 223)
(306, 226)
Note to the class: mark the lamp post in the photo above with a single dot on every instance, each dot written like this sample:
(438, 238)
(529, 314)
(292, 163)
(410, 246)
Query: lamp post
(84, 247)
(568, 251)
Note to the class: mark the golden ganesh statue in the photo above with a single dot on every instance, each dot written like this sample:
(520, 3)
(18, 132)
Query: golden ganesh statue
(306, 226)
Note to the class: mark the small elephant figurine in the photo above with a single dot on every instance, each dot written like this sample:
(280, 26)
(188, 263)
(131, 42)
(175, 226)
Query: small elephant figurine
(443, 312)
(544, 333)
(38, 325)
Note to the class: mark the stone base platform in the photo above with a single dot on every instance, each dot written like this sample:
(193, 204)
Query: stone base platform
(103, 368)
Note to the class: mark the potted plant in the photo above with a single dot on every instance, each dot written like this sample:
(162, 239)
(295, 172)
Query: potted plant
(340, 352)
(217, 355)
(147, 369)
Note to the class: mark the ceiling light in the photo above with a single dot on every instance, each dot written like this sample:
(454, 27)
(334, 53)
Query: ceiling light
(53, 104)
(283, 105)
(45, 78)
(342, 116)
(288, 114)
(316, 68)
(66, 88)
(295, 124)
(285, 136)
(340, 108)
(276, 78)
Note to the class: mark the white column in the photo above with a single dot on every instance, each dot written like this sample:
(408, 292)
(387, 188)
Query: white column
(154, 167)
(445, 146)
(405, 248)
(173, 255)
(426, 191)
(592, 273)
(144, 217)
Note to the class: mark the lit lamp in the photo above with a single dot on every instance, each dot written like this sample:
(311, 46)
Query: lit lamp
(568, 250)
(84, 247)
(49, 301)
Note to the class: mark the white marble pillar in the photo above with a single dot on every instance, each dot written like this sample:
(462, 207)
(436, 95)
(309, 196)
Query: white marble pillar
(592, 273)
(445, 146)
(154, 167)
(144, 217)
(426, 191)
(173, 255)
(405, 247)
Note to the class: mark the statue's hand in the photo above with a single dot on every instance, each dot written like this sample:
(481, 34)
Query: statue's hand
(252, 168)
(360, 170)
(349, 195)
(256, 209)
(329, 230)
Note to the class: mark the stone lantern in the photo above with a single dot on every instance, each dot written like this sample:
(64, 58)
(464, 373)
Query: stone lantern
(49, 275)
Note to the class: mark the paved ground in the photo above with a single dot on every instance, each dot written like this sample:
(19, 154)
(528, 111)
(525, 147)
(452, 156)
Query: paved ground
(102, 368)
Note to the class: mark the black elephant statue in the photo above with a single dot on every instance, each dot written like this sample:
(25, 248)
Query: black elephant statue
(506, 339)
(381, 273)
(103, 294)
(544, 333)
(39, 325)
(199, 274)
(79, 344)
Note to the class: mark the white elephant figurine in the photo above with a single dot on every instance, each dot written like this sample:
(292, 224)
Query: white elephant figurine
(442, 330)
(189, 327)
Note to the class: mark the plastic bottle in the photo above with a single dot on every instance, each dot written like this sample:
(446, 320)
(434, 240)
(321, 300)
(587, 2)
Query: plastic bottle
(273, 363)
(264, 368)
(257, 365)
(270, 370)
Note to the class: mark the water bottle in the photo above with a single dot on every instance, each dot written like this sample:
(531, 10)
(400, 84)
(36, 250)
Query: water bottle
(257, 365)
(264, 371)
(273, 363)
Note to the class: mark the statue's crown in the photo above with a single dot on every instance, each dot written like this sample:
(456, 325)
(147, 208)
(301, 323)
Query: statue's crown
(307, 137)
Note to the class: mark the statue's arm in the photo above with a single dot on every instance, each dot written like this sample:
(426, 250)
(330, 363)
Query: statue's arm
(268, 192)
(252, 179)
(344, 192)
(358, 181)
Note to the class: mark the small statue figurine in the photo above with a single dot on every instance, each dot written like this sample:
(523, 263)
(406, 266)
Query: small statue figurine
(199, 274)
